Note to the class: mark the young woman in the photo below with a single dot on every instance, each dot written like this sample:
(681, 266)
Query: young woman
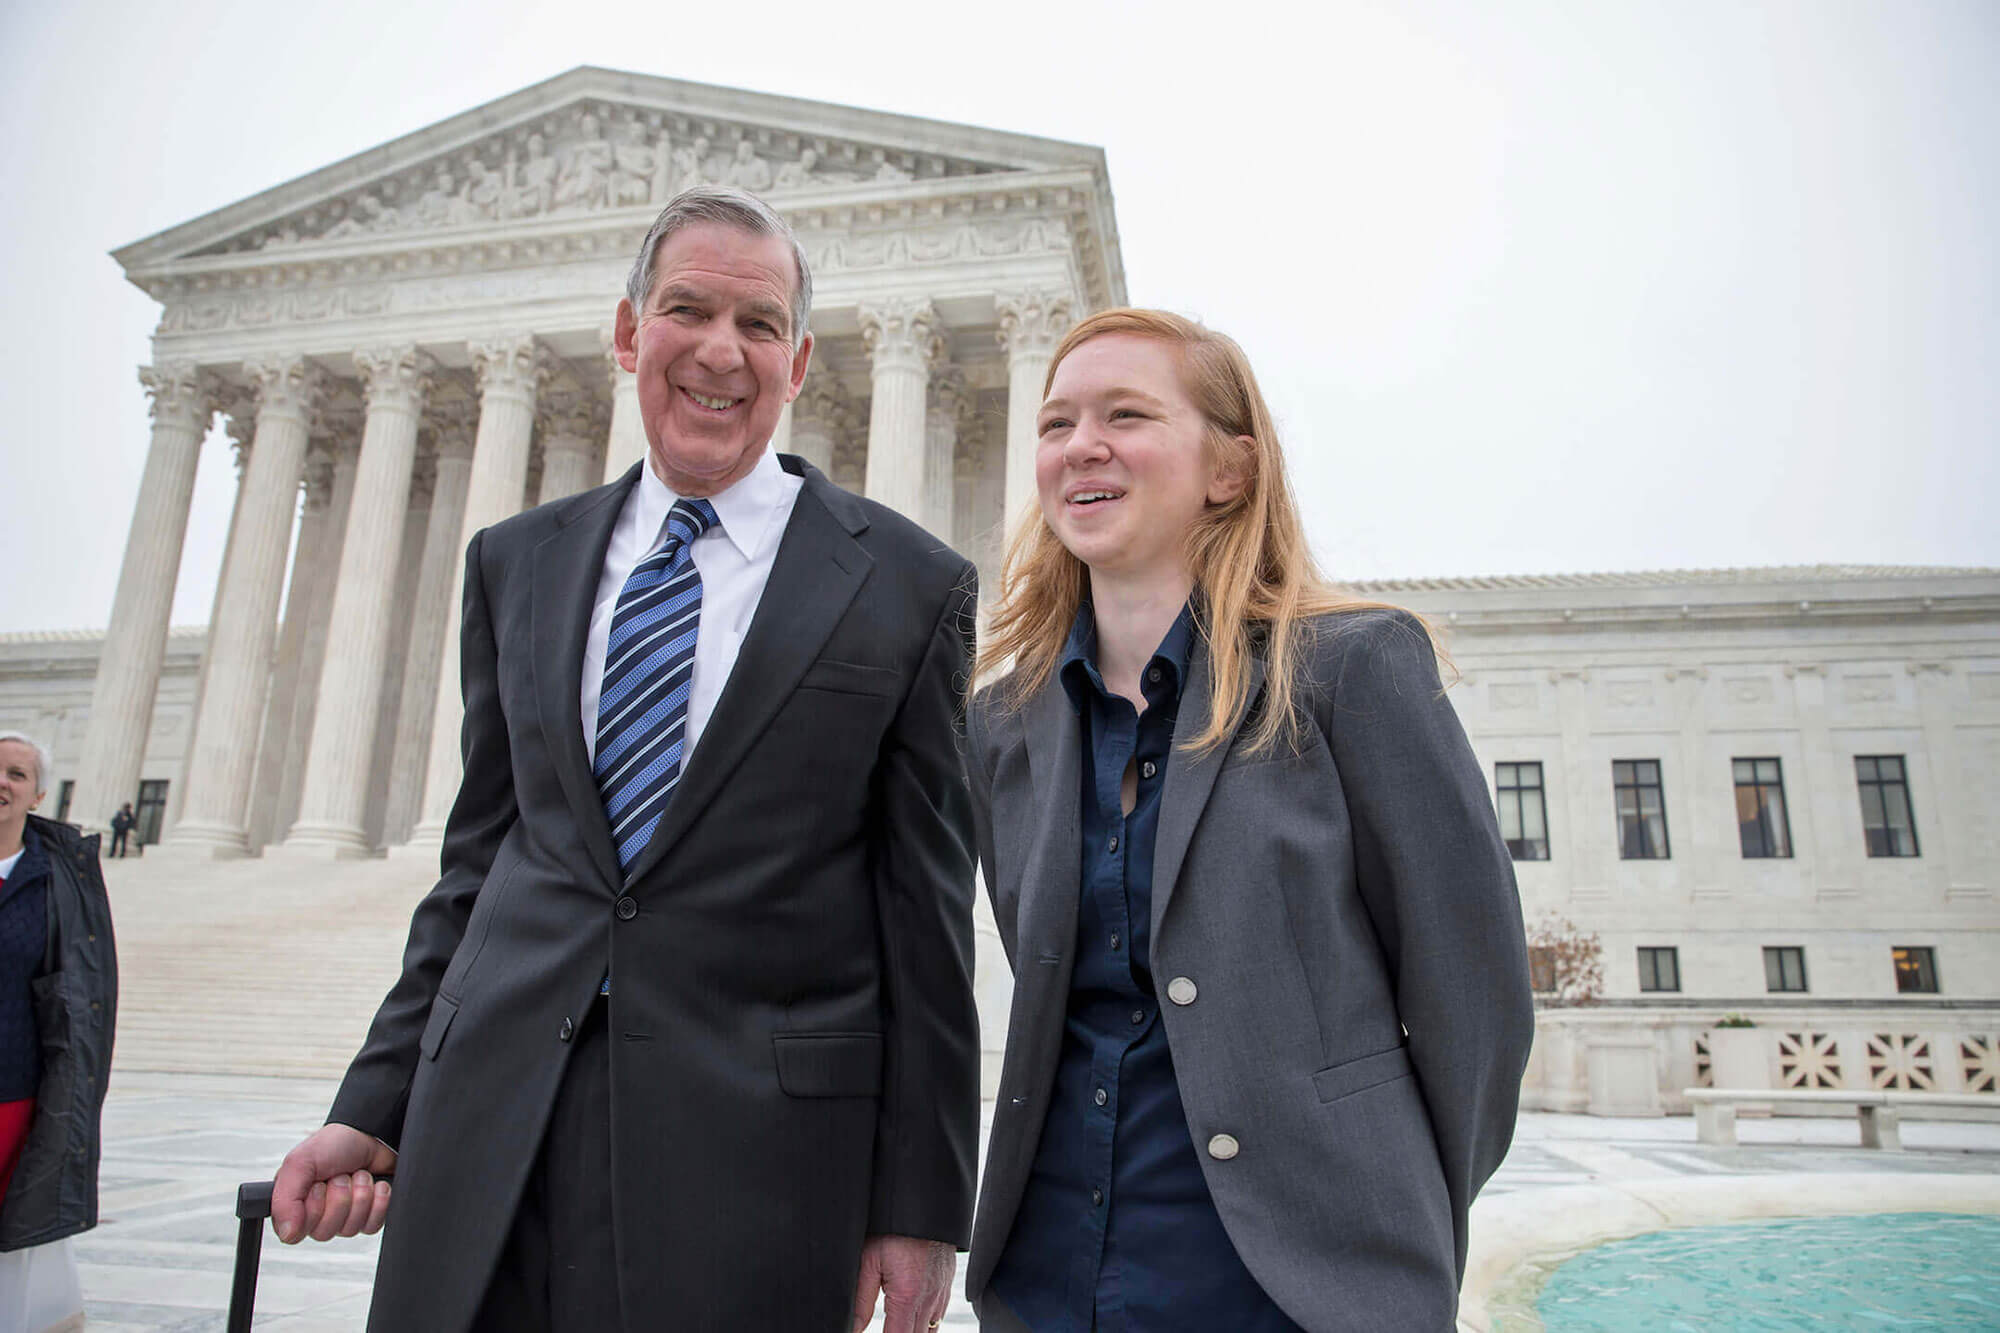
(1271, 1002)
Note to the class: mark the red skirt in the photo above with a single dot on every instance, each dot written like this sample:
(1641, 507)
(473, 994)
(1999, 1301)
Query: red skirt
(14, 1120)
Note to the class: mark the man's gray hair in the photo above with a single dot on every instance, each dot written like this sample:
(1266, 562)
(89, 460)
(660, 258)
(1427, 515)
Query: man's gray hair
(44, 761)
(731, 208)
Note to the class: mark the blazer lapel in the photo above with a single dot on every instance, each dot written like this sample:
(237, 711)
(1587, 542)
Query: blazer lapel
(1191, 778)
(818, 570)
(567, 567)
(1051, 838)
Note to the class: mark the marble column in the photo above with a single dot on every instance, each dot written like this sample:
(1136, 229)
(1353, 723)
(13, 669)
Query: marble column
(1949, 837)
(815, 416)
(1031, 324)
(409, 571)
(570, 426)
(902, 340)
(510, 371)
(128, 674)
(1705, 833)
(288, 774)
(1834, 868)
(942, 418)
(333, 803)
(626, 443)
(436, 596)
(309, 559)
(225, 736)
(1589, 822)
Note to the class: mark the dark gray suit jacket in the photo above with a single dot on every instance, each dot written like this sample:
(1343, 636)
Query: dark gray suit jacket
(794, 1047)
(1347, 925)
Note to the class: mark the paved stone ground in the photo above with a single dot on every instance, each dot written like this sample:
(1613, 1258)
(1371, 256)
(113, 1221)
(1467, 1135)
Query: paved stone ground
(176, 1145)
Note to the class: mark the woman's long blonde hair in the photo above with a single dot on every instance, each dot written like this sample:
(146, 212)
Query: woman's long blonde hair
(1254, 574)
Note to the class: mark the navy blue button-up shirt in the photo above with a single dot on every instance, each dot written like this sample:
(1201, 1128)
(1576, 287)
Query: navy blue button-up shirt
(1116, 1231)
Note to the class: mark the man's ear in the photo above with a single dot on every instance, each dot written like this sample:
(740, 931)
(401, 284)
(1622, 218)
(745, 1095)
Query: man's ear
(624, 335)
(1227, 481)
(800, 359)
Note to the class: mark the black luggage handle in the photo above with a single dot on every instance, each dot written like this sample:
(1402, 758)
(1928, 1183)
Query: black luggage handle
(253, 1209)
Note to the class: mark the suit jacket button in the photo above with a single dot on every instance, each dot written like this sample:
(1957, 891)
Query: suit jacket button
(566, 1031)
(1181, 991)
(1223, 1147)
(626, 907)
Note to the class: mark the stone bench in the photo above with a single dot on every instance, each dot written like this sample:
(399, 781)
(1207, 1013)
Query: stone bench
(1878, 1111)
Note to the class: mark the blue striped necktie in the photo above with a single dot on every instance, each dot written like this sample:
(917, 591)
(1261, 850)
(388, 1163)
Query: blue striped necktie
(648, 664)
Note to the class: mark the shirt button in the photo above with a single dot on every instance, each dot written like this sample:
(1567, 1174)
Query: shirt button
(1114, 843)
(1147, 769)
(1181, 991)
(1153, 674)
(1097, 1198)
(566, 1031)
(1223, 1147)
(1138, 1015)
(1100, 1096)
(626, 908)
(1114, 941)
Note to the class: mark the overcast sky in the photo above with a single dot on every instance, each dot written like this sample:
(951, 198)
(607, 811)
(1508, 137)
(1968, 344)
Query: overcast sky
(1533, 287)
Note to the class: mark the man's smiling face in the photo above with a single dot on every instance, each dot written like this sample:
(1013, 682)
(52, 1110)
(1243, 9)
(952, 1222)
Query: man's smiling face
(714, 352)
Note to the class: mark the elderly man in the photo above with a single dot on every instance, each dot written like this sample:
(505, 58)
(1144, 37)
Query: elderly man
(685, 1034)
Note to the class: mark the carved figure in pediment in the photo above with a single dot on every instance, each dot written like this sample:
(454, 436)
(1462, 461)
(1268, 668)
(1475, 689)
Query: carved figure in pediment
(534, 180)
(375, 215)
(749, 171)
(634, 164)
(691, 165)
(346, 222)
(797, 175)
(479, 201)
(284, 236)
(892, 173)
(585, 179)
(434, 206)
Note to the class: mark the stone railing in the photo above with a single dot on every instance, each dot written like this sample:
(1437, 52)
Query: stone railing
(1614, 1059)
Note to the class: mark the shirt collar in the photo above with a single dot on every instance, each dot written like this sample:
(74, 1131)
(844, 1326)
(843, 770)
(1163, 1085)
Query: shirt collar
(744, 511)
(1077, 667)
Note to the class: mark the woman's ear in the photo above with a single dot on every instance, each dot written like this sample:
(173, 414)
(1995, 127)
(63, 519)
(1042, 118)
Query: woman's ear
(1229, 478)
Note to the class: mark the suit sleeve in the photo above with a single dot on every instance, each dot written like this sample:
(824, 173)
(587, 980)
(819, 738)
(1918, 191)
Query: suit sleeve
(376, 1091)
(1438, 884)
(929, 1121)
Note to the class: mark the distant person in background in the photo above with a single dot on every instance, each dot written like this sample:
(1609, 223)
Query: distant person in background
(1271, 1001)
(58, 1002)
(121, 825)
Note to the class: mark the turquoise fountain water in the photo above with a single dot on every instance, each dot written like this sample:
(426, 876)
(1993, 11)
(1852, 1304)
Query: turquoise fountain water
(1877, 1272)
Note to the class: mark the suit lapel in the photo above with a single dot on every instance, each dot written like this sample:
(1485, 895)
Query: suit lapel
(1051, 838)
(567, 567)
(1191, 778)
(818, 570)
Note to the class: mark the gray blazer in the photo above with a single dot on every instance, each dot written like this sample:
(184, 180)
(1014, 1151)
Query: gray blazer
(1339, 956)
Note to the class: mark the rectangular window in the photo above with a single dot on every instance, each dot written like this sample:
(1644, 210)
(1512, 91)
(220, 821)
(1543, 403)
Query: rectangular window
(1659, 969)
(1760, 809)
(1524, 813)
(63, 793)
(1785, 969)
(1916, 970)
(1886, 818)
(150, 810)
(1642, 809)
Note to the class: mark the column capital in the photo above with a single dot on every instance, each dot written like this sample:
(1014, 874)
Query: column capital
(453, 424)
(568, 416)
(901, 333)
(396, 377)
(514, 366)
(180, 393)
(1032, 321)
(824, 400)
(950, 396)
(288, 386)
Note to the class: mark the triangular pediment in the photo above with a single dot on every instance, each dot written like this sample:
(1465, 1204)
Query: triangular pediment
(595, 141)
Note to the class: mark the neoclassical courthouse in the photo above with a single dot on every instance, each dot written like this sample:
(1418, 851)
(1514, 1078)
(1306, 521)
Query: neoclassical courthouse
(1766, 790)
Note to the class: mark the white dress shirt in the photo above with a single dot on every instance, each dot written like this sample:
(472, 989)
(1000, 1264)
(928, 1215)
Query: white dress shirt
(734, 558)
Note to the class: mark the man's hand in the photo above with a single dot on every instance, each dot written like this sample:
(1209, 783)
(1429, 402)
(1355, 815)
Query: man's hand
(914, 1277)
(327, 1187)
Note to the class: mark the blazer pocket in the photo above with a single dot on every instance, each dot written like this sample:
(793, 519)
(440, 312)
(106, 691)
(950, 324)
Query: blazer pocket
(829, 1064)
(851, 678)
(1370, 1071)
(443, 1010)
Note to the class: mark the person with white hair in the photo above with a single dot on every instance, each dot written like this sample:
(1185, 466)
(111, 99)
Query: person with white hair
(58, 1004)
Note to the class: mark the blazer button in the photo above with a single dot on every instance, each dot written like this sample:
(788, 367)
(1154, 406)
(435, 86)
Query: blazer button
(1181, 991)
(568, 1030)
(1223, 1147)
(626, 908)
